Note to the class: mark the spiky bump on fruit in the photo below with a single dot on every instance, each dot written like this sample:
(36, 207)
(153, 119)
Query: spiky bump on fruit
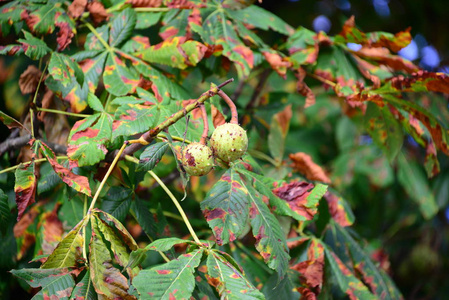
(197, 159)
(229, 142)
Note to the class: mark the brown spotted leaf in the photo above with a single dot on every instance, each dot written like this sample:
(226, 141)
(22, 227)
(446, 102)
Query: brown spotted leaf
(303, 163)
(10, 122)
(54, 283)
(172, 280)
(25, 187)
(77, 182)
(226, 207)
(229, 280)
(279, 63)
(302, 197)
(77, 8)
(339, 209)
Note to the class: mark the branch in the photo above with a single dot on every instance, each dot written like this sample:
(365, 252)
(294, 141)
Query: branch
(150, 135)
(21, 141)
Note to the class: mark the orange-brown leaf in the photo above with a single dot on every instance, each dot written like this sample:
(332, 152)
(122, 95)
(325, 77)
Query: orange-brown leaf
(304, 164)
(29, 80)
(97, 12)
(77, 8)
(217, 117)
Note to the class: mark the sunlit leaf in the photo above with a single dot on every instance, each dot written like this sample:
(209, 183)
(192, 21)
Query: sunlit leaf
(63, 69)
(118, 78)
(172, 280)
(68, 251)
(122, 26)
(134, 118)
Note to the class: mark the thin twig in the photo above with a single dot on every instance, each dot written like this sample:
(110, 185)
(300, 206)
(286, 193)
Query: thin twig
(322, 79)
(151, 134)
(230, 103)
(205, 134)
(55, 111)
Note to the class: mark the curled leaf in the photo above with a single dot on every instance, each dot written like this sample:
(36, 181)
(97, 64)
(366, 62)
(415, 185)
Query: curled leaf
(304, 164)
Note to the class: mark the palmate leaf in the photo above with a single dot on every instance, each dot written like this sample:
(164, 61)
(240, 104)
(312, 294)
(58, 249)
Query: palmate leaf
(176, 52)
(384, 129)
(25, 187)
(270, 238)
(228, 280)
(172, 280)
(415, 184)
(226, 207)
(352, 254)
(55, 283)
(218, 30)
(68, 251)
(84, 290)
(106, 279)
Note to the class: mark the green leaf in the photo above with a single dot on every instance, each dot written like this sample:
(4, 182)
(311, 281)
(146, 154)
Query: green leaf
(134, 118)
(119, 79)
(166, 244)
(229, 282)
(34, 47)
(119, 248)
(5, 212)
(270, 238)
(44, 18)
(278, 132)
(146, 219)
(55, 283)
(302, 46)
(25, 187)
(69, 250)
(88, 146)
(125, 236)
(84, 290)
(218, 30)
(151, 156)
(175, 52)
(106, 279)
(352, 254)
(384, 129)
(63, 69)
(226, 207)
(94, 102)
(415, 184)
(147, 19)
(122, 27)
(117, 202)
(345, 279)
(172, 280)
(261, 18)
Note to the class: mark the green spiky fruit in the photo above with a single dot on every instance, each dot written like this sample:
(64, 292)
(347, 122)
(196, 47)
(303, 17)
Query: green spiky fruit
(229, 142)
(197, 159)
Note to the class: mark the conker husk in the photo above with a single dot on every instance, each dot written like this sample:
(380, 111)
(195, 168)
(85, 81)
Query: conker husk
(197, 159)
(229, 142)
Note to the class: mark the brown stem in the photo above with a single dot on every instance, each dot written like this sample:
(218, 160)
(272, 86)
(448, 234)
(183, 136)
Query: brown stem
(151, 134)
(230, 103)
(205, 134)
(322, 79)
